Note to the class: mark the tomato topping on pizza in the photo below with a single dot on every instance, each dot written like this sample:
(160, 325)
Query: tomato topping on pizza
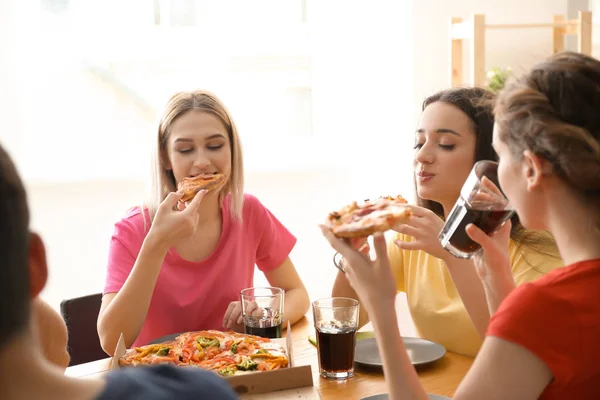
(361, 220)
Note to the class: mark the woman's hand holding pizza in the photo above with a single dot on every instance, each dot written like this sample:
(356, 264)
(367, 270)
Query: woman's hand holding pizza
(424, 226)
(175, 221)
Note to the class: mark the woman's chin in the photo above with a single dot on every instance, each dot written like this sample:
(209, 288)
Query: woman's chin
(426, 194)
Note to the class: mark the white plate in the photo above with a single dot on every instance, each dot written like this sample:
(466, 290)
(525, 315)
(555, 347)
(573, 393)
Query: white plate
(420, 351)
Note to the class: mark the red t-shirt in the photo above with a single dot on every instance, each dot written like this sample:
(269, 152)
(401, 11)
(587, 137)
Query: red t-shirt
(557, 318)
(191, 296)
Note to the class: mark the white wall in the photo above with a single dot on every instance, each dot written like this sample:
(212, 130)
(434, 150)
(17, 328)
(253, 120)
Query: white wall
(518, 49)
(360, 148)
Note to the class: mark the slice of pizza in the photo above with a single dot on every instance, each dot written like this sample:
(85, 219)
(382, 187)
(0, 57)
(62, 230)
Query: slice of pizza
(191, 186)
(164, 353)
(362, 220)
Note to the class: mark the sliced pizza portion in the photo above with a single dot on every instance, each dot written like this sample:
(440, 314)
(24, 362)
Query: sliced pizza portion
(191, 186)
(269, 357)
(251, 355)
(164, 353)
(361, 220)
(201, 345)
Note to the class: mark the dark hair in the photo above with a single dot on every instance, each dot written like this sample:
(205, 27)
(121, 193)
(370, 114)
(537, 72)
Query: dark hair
(14, 251)
(554, 111)
(478, 104)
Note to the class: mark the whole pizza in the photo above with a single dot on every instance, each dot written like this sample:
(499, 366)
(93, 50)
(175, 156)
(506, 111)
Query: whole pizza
(226, 353)
(361, 220)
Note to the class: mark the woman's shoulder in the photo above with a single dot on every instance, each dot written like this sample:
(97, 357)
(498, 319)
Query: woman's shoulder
(251, 201)
(253, 207)
(133, 221)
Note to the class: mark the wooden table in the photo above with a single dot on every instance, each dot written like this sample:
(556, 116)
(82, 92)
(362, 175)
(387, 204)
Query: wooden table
(440, 378)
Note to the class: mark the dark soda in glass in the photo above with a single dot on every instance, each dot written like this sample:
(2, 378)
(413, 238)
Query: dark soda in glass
(454, 236)
(271, 332)
(336, 349)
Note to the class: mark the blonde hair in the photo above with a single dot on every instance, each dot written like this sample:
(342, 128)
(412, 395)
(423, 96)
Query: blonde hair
(162, 179)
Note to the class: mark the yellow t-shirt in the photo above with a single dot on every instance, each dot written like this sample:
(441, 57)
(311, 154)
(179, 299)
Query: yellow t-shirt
(434, 303)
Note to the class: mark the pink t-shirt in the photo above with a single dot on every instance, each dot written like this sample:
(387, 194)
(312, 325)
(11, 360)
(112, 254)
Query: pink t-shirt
(189, 295)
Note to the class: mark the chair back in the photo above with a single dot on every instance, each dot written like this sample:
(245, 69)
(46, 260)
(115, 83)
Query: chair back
(80, 315)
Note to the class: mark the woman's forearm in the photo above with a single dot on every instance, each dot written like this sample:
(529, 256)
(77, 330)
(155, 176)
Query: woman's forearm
(296, 305)
(497, 290)
(471, 292)
(400, 375)
(342, 288)
(127, 310)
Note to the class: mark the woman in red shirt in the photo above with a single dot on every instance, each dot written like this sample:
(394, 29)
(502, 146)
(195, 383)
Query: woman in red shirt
(542, 340)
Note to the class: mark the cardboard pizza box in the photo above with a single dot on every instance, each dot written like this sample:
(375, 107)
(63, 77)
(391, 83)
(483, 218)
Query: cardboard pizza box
(291, 382)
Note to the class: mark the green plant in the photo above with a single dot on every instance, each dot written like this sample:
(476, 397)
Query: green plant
(497, 78)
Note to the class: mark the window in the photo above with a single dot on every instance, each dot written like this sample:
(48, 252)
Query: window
(97, 73)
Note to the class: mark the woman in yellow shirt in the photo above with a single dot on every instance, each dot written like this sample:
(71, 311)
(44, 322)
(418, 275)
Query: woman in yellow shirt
(445, 296)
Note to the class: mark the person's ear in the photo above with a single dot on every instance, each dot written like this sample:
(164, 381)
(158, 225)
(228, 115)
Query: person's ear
(534, 169)
(38, 267)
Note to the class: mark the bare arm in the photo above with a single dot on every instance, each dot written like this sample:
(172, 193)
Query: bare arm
(401, 377)
(482, 292)
(297, 301)
(125, 311)
(504, 370)
(471, 291)
(493, 264)
(342, 288)
(52, 333)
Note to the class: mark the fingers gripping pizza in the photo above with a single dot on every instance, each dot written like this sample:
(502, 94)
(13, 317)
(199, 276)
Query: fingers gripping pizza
(191, 186)
(361, 220)
(226, 353)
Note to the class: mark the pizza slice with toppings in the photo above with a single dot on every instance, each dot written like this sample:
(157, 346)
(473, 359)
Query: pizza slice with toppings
(192, 185)
(361, 220)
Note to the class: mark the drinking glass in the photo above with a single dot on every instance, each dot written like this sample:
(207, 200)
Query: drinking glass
(482, 203)
(262, 310)
(336, 323)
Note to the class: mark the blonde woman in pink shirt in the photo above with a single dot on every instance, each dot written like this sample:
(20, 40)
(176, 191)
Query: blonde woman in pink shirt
(180, 267)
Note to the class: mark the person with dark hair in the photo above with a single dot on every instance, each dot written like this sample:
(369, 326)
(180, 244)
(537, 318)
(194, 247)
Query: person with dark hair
(445, 297)
(542, 339)
(25, 372)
